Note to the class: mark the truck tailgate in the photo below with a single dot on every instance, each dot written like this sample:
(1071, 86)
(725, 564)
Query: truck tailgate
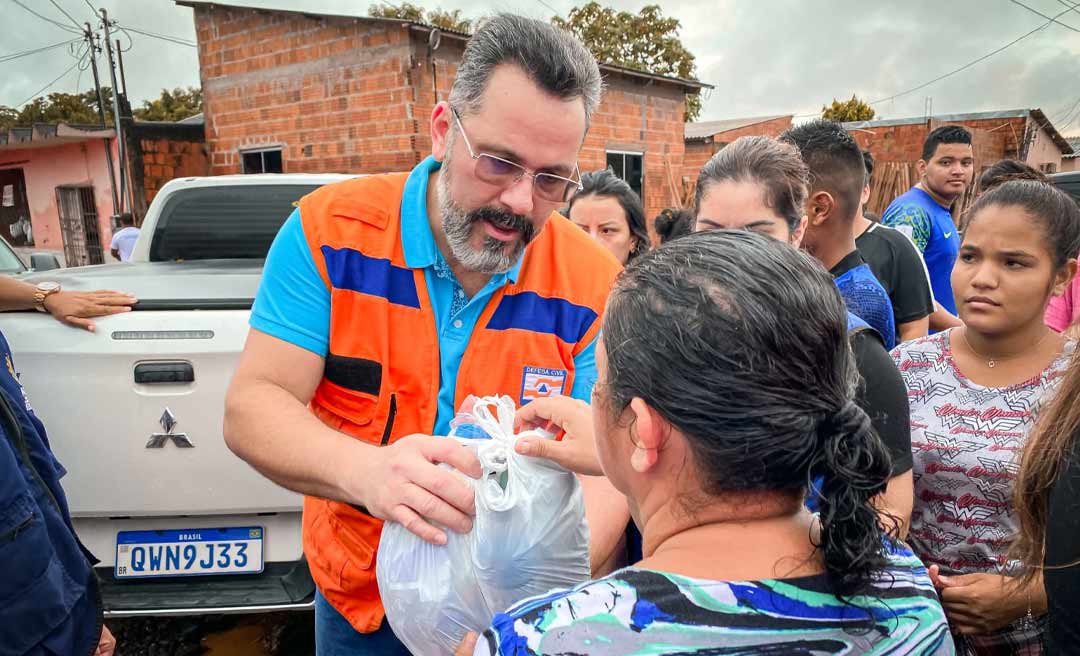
(137, 439)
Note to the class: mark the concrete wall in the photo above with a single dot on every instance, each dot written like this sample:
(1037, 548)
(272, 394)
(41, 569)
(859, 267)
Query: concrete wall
(46, 168)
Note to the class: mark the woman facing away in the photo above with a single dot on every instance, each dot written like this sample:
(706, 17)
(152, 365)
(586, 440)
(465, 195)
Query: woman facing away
(974, 392)
(712, 413)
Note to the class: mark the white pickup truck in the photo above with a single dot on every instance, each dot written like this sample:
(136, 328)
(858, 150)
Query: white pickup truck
(134, 411)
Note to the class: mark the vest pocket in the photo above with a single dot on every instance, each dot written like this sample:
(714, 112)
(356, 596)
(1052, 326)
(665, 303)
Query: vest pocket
(36, 593)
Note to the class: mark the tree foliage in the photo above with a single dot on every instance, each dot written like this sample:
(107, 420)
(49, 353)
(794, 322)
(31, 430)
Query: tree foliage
(848, 110)
(645, 41)
(447, 20)
(174, 105)
(58, 107)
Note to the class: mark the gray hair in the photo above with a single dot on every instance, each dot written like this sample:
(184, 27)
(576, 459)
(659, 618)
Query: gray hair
(552, 58)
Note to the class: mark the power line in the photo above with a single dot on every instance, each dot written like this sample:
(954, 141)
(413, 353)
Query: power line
(962, 68)
(163, 37)
(553, 9)
(62, 11)
(88, 4)
(27, 53)
(1052, 20)
(49, 85)
(47, 19)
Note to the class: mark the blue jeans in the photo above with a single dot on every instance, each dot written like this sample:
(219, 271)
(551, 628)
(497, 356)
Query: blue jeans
(334, 636)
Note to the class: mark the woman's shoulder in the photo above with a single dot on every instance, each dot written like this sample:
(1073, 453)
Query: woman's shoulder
(635, 603)
(920, 348)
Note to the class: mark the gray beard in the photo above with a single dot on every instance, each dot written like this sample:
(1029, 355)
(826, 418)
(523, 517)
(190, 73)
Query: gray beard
(492, 257)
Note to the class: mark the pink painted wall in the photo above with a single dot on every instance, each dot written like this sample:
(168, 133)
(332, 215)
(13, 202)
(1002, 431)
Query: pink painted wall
(45, 169)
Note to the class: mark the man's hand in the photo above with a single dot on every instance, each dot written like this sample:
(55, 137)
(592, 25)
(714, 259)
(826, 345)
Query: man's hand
(577, 450)
(468, 644)
(404, 483)
(76, 308)
(107, 643)
(976, 604)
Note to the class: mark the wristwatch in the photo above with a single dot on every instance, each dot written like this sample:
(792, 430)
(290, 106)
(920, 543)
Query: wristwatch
(43, 291)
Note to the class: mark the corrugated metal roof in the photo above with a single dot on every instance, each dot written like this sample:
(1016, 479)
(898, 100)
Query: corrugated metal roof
(1074, 142)
(706, 129)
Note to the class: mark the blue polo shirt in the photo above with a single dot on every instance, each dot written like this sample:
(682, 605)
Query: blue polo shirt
(293, 302)
(931, 228)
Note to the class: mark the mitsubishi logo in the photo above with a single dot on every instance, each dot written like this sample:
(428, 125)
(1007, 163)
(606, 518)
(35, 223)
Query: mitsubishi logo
(168, 424)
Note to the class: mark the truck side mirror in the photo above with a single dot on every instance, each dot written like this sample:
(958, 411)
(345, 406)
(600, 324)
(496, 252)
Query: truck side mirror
(44, 262)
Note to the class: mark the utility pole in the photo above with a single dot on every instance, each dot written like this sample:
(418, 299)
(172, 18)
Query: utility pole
(93, 50)
(125, 201)
(120, 60)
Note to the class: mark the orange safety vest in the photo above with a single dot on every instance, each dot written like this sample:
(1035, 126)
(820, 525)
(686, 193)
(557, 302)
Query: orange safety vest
(381, 379)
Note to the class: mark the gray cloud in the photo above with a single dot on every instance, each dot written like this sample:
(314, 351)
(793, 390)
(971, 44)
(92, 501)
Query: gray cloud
(772, 56)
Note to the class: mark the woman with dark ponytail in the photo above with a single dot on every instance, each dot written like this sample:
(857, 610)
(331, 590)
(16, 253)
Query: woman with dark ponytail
(712, 413)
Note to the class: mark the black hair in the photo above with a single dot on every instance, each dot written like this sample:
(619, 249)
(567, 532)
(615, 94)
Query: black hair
(1056, 213)
(672, 223)
(773, 165)
(1004, 170)
(125, 219)
(605, 184)
(946, 134)
(835, 161)
(701, 330)
(868, 164)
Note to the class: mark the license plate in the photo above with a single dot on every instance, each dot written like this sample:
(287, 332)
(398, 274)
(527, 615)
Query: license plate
(190, 552)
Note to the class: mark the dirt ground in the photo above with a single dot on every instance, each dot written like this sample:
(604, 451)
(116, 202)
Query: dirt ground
(274, 634)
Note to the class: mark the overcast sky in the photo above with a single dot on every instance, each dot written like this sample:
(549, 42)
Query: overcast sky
(764, 57)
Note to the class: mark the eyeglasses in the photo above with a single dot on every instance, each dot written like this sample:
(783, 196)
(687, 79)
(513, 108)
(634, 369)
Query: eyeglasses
(503, 173)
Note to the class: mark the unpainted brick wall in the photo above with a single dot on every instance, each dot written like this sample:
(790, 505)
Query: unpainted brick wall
(165, 159)
(698, 152)
(344, 95)
(334, 93)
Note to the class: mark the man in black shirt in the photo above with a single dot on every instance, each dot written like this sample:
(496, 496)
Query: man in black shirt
(898, 266)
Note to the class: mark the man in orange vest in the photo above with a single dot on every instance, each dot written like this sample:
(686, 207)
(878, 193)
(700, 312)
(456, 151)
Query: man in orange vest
(386, 300)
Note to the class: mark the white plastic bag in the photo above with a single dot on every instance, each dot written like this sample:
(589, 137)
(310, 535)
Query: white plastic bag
(529, 537)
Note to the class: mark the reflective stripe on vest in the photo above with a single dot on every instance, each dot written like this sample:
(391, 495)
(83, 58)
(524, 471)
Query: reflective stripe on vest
(381, 379)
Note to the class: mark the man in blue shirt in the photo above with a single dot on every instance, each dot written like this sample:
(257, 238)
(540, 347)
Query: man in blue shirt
(837, 173)
(924, 213)
(469, 226)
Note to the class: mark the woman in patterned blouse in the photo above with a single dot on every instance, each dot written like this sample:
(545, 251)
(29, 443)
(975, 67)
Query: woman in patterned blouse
(725, 384)
(974, 391)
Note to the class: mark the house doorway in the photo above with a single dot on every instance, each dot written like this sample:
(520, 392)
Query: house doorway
(14, 209)
(79, 226)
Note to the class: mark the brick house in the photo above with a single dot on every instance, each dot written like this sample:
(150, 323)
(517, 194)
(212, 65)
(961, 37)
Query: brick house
(1023, 134)
(294, 91)
(704, 139)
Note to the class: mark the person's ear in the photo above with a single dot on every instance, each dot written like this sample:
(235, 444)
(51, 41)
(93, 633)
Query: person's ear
(920, 168)
(821, 205)
(441, 124)
(647, 430)
(1063, 277)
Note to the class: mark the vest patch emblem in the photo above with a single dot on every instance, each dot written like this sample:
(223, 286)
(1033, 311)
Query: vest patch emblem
(538, 383)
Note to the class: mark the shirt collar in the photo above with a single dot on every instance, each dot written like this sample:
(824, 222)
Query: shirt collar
(417, 240)
(850, 261)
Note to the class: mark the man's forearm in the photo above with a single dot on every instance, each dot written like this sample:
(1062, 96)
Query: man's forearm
(906, 332)
(942, 319)
(276, 434)
(16, 294)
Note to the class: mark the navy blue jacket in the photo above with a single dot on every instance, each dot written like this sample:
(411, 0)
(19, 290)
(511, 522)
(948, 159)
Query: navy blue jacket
(49, 600)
